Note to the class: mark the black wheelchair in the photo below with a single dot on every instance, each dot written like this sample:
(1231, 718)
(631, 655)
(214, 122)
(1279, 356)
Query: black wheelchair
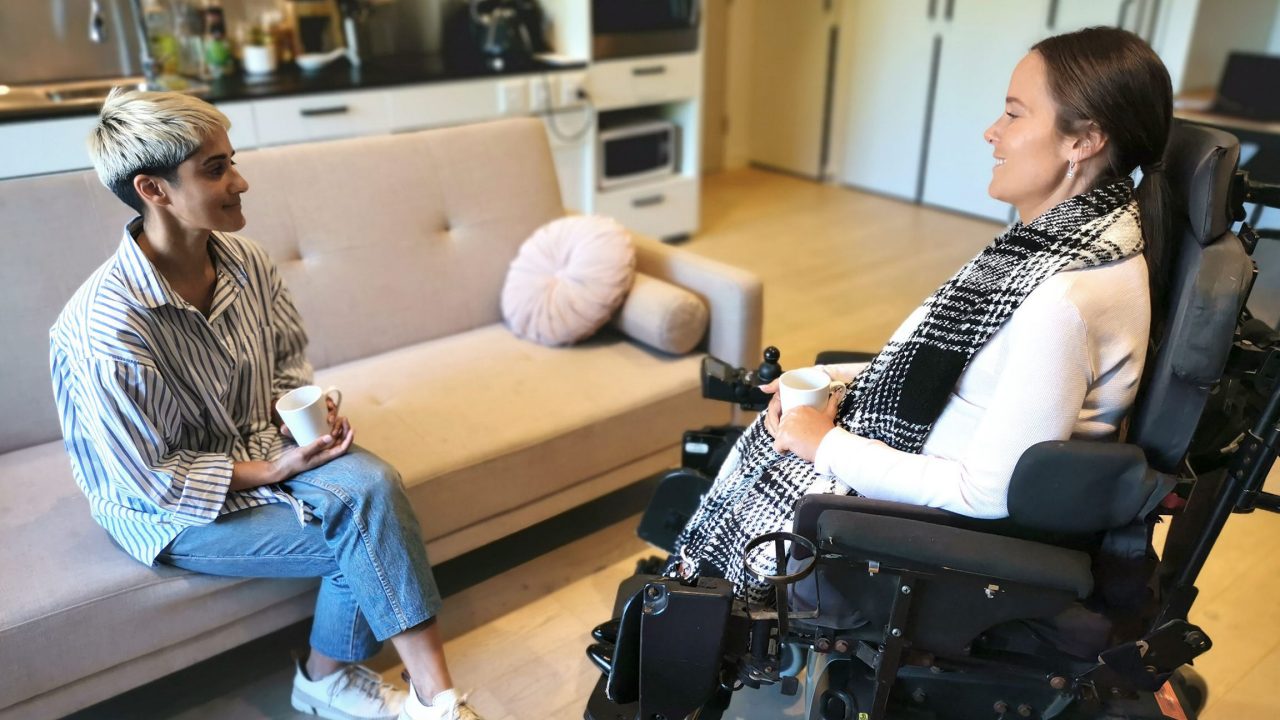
(1060, 611)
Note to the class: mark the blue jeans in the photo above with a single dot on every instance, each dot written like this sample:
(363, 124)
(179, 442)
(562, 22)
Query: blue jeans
(364, 543)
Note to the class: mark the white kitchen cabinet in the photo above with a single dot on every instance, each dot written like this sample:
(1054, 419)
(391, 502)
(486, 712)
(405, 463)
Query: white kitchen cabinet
(327, 116)
(665, 208)
(885, 74)
(649, 80)
(415, 107)
(36, 147)
(244, 130)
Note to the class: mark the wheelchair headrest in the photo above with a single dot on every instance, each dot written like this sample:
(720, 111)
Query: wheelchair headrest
(1199, 164)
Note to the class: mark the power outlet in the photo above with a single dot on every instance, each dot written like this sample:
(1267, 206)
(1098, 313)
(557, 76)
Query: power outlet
(541, 89)
(513, 96)
(571, 84)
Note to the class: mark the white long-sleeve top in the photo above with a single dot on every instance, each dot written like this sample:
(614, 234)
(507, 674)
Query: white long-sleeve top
(1066, 364)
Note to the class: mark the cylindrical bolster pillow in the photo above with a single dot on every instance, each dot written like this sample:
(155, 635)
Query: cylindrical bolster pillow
(663, 316)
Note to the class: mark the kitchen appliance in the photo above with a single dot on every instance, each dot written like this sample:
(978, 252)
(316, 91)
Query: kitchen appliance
(493, 35)
(635, 151)
(630, 28)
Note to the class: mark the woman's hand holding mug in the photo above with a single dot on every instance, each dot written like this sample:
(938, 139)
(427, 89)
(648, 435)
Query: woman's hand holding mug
(811, 401)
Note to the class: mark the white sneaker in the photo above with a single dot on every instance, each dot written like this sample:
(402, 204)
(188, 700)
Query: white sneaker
(447, 705)
(353, 693)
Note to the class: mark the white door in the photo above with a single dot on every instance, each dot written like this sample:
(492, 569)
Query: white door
(982, 43)
(1078, 14)
(791, 45)
(887, 61)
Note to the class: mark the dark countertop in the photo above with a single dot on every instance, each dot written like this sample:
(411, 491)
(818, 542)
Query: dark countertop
(338, 76)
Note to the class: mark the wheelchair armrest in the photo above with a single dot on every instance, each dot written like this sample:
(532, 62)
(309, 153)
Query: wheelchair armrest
(1081, 487)
(811, 507)
(923, 545)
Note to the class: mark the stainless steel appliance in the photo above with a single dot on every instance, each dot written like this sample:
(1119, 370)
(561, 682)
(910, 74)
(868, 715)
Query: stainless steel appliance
(636, 151)
(630, 28)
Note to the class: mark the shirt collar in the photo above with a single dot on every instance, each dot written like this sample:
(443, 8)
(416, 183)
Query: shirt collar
(149, 287)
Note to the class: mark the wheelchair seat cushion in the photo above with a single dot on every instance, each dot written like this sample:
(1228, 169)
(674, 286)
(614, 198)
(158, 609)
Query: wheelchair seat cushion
(924, 545)
(568, 279)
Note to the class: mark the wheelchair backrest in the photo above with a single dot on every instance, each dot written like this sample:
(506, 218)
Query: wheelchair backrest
(1210, 281)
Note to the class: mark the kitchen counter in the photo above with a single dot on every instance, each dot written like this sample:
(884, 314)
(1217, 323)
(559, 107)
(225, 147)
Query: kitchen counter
(338, 76)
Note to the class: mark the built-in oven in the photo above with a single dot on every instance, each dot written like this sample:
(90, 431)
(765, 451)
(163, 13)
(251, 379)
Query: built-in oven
(630, 28)
(636, 151)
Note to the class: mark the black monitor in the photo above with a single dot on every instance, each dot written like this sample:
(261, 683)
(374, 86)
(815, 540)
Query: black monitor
(1250, 87)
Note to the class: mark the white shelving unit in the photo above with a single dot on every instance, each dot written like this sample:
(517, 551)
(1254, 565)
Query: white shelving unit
(666, 86)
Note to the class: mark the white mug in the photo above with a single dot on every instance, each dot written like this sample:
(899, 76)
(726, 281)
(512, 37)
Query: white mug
(258, 59)
(306, 413)
(806, 386)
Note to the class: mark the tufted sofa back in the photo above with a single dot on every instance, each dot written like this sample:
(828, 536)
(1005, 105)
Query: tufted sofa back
(384, 242)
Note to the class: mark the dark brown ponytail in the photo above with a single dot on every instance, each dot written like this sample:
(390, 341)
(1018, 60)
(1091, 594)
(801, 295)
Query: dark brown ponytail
(1111, 77)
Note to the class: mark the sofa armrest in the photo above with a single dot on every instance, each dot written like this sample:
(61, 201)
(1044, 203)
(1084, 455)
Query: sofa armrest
(734, 297)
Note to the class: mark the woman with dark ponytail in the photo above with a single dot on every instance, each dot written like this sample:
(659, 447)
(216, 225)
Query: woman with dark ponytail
(1040, 337)
(1110, 79)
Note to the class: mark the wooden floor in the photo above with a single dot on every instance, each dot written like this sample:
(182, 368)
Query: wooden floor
(840, 269)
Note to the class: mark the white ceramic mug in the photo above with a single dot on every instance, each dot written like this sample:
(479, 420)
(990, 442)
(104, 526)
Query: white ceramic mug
(806, 386)
(306, 413)
(258, 59)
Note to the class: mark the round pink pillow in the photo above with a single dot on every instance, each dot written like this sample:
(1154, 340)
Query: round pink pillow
(568, 279)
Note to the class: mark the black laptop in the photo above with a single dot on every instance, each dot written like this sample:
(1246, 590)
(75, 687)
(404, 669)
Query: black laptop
(1250, 87)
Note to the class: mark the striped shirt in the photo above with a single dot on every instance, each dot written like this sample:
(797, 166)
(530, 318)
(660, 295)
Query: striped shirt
(157, 401)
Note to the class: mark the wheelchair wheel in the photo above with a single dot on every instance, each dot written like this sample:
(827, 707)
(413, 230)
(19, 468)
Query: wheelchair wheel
(1193, 687)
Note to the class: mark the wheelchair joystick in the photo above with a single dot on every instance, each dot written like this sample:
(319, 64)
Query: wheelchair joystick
(769, 370)
(722, 381)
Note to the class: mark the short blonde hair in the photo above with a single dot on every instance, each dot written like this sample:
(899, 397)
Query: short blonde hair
(148, 133)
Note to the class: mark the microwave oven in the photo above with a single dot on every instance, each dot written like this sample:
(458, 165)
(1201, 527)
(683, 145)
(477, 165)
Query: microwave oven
(631, 28)
(635, 152)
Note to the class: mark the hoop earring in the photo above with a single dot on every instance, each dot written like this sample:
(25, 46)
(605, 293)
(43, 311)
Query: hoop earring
(1071, 170)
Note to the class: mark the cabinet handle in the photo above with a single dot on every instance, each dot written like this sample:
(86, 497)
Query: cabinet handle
(649, 200)
(649, 70)
(933, 9)
(1053, 14)
(951, 8)
(331, 110)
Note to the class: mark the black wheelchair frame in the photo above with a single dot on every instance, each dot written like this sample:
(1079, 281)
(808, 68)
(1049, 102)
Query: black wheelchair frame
(682, 648)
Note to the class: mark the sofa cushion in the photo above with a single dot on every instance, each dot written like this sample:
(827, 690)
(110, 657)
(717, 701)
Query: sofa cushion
(76, 602)
(568, 279)
(483, 422)
(399, 239)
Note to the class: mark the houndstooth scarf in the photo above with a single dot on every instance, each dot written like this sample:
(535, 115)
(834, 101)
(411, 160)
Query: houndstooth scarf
(897, 398)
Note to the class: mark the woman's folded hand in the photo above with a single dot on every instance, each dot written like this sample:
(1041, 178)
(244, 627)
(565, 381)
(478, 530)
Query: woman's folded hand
(801, 429)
